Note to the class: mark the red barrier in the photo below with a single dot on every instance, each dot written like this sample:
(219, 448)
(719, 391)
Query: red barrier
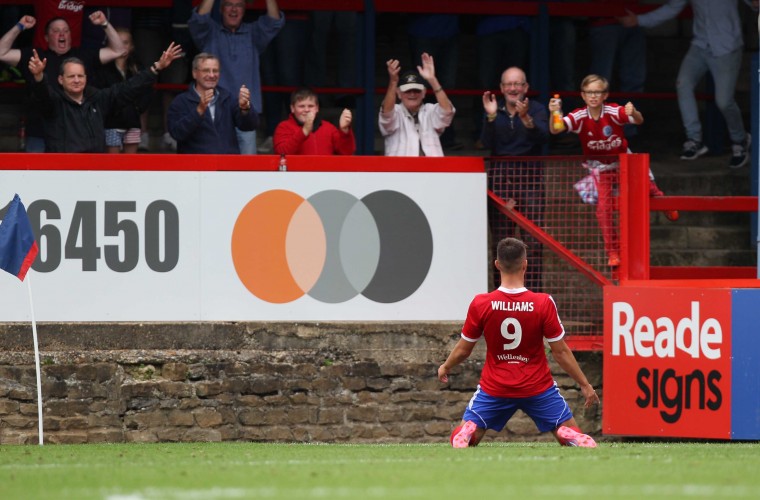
(635, 206)
(232, 163)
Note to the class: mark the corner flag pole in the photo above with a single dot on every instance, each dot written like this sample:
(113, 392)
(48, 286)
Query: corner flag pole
(36, 360)
(18, 249)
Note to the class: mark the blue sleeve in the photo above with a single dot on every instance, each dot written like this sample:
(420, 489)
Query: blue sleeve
(200, 28)
(265, 29)
(182, 119)
(540, 115)
(247, 121)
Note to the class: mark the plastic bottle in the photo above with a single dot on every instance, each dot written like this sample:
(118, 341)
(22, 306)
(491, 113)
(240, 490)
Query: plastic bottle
(557, 116)
(283, 163)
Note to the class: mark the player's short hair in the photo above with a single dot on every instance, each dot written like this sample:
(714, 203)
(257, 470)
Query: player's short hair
(511, 253)
(595, 78)
(303, 93)
(198, 59)
(70, 60)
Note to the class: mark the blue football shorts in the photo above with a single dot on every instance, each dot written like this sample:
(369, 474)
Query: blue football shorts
(548, 409)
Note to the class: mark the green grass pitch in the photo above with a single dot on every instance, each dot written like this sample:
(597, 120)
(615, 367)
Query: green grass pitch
(394, 471)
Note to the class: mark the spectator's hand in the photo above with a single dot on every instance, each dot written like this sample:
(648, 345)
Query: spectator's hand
(522, 107)
(98, 18)
(205, 100)
(244, 98)
(427, 70)
(630, 109)
(394, 68)
(28, 22)
(308, 122)
(174, 51)
(490, 106)
(37, 66)
(345, 120)
(555, 104)
(629, 20)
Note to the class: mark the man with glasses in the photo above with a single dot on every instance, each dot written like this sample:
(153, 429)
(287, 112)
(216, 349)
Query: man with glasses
(238, 45)
(203, 119)
(413, 128)
(516, 126)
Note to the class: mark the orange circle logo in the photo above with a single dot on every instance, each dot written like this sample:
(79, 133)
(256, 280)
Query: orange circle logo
(331, 246)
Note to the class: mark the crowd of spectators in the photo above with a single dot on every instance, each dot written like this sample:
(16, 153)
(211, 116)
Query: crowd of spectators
(290, 49)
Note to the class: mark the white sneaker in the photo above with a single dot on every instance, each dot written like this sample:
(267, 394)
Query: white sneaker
(266, 147)
(168, 142)
(144, 142)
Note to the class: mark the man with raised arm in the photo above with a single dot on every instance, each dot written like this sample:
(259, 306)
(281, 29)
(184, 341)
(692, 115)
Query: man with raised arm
(73, 113)
(59, 48)
(238, 46)
(413, 128)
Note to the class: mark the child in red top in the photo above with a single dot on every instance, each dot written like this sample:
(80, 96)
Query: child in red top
(304, 133)
(599, 126)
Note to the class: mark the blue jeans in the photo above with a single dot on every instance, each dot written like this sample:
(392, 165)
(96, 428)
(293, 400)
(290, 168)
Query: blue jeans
(35, 144)
(628, 47)
(246, 141)
(725, 71)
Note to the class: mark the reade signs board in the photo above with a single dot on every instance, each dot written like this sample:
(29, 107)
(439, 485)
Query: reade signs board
(249, 245)
(682, 362)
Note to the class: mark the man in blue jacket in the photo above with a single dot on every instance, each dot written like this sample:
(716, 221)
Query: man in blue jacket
(516, 126)
(203, 119)
(239, 46)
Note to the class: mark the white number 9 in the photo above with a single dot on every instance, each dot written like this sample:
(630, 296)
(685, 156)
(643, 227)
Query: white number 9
(511, 330)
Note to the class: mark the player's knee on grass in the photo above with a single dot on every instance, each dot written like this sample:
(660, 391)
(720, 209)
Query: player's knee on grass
(563, 441)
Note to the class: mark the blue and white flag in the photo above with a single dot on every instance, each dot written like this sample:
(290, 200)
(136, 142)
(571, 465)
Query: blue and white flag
(18, 248)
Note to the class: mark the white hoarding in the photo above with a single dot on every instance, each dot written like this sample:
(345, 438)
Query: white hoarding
(236, 246)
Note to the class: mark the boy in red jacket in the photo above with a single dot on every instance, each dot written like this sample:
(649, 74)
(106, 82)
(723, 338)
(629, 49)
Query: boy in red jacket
(303, 133)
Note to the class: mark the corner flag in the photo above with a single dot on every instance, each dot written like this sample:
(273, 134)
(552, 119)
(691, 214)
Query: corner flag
(18, 248)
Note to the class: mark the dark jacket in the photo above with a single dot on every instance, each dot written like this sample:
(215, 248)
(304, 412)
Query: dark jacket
(198, 134)
(507, 136)
(71, 127)
(126, 114)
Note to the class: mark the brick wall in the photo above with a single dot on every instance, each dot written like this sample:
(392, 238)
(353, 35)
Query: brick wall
(305, 382)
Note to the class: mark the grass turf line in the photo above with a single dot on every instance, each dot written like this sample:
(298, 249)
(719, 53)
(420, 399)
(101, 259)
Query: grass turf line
(492, 470)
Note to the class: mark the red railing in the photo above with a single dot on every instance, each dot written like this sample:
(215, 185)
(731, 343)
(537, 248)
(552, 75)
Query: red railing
(569, 233)
(635, 208)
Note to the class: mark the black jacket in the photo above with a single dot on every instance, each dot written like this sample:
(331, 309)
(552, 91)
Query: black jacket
(71, 127)
(126, 114)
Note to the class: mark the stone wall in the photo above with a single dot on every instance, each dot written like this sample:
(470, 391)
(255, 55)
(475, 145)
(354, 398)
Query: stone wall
(304, 382)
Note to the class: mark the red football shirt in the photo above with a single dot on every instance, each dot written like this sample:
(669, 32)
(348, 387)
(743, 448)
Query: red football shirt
(514, 324)
(45, 10)
(603, 136)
